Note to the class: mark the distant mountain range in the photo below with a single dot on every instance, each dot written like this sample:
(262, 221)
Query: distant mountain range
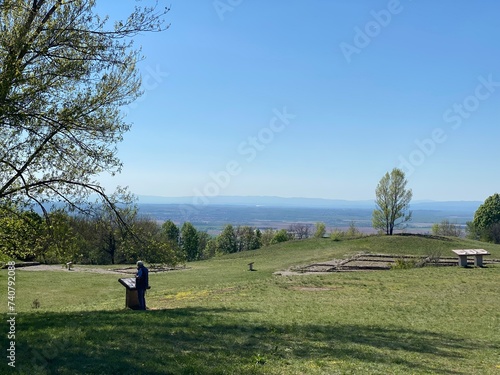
(266, 201)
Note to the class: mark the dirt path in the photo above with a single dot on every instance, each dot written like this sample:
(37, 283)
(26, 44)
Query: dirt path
(58, 267)
(130, 270)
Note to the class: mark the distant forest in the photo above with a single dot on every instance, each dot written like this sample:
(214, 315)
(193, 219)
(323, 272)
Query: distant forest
(213, 218)
(174, 233)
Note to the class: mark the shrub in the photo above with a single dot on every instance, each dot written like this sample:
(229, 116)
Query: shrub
(446, 228)
(350, 233)
(320, 230)
(403, 264)
(280, 236)
(353, 232)
(337, 235)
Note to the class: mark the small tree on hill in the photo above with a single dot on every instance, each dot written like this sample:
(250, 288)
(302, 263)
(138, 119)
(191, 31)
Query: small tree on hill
(203, 239)
(210, 249)
(267, 237)
(446, 228)
(352, 231)
(393, 202)
(190, 241)
(280, 236)
(247, 238)
(171, 231)
(300, 230)
(227, 241)
(320, 230)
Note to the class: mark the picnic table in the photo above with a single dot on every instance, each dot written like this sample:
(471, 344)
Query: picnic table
(476, 253)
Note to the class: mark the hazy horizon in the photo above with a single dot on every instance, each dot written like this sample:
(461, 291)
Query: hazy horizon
(199, 200)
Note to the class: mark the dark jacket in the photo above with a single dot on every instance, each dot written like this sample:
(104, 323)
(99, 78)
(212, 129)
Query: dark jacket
(142, 278)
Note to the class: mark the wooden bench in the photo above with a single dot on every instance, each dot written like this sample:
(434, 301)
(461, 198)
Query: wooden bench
(464, 253)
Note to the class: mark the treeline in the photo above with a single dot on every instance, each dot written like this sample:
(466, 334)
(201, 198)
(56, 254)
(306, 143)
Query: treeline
(107, 238)
(102, 237)
(485, 226)
(120, 235)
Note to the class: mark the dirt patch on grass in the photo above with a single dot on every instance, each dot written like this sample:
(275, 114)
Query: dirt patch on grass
(60, 268)
(116, 271)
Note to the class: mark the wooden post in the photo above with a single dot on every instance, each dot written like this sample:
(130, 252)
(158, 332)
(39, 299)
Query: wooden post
(250, 266)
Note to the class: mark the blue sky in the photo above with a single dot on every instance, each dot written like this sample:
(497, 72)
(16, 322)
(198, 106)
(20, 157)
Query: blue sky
(317, 99)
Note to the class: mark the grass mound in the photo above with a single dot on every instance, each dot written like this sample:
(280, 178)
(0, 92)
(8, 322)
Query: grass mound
(219, 318)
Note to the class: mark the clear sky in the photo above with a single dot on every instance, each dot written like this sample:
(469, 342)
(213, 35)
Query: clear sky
(317, 98)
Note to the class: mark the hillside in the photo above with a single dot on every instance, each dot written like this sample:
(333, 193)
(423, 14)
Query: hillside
(287, 254)
(217, 317)
(233, 268)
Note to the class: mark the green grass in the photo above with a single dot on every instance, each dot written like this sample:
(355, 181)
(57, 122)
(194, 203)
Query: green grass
(219, 318)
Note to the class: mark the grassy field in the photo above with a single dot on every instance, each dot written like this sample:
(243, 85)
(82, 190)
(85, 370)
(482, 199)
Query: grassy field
(219, 318)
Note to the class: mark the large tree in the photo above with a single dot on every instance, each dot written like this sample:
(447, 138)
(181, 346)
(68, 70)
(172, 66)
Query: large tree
(64, 75)
(487, 219)
(21, 233)
(392, 202)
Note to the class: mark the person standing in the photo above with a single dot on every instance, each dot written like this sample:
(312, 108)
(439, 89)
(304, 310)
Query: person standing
(141, 284)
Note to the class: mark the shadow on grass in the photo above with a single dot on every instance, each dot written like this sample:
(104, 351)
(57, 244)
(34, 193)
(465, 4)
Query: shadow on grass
(211, 341)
